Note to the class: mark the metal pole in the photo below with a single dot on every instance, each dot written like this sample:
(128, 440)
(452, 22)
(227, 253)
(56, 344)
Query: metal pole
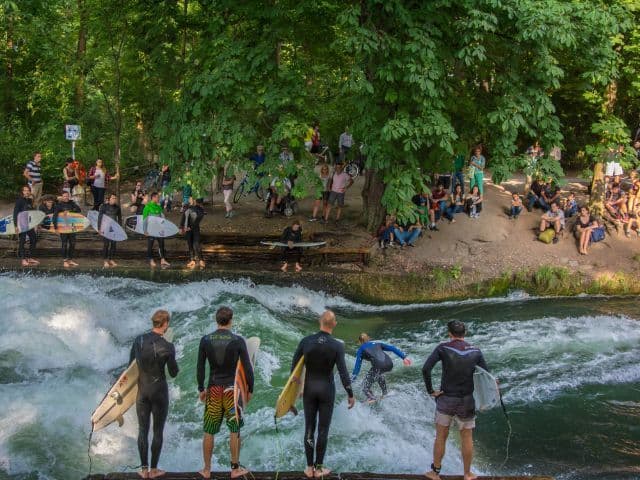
(73, 150)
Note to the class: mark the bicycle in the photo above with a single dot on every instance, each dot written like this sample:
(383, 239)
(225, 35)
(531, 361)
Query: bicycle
(324, 156)
(243, 190)
(352, 167)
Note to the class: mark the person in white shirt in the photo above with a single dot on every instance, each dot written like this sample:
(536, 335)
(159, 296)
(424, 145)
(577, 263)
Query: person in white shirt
(345, 143)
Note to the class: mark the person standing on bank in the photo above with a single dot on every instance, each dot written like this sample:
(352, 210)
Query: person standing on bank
(112, 210)
(24, 203)
(32, 172)
(190, 227)
(477, 163)
(291, 235)
(153, 209)
(321, 354)
(62, 209)
(454, 400)
(152, 352)
(340, 182)
(222, 349)
(99, 180)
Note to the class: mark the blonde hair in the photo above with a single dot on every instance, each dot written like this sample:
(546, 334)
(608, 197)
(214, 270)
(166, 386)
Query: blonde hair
(160, 318)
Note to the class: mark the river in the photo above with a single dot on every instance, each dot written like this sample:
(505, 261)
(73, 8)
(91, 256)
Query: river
(569, 369)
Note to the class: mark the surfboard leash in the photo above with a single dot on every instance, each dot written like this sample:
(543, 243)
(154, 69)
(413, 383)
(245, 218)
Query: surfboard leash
(89, 451)
(506, 416)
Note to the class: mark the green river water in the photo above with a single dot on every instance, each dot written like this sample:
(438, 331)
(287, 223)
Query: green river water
(569, 369)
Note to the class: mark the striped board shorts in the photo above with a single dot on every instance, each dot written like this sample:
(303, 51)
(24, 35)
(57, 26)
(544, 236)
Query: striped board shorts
(219, 405)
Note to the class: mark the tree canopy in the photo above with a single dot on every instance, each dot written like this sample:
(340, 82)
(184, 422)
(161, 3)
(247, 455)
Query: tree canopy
(197, 84)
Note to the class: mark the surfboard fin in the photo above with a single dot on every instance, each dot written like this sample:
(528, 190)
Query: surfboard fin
(120, 421)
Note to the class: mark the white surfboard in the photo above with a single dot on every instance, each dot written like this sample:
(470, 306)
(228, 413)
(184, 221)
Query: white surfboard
(120, 397)
(296, 245)
(156, 226)
(485, 390)
(110, 229)
(27, 220)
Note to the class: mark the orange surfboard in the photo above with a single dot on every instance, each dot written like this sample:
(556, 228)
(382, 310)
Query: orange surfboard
(240, 387)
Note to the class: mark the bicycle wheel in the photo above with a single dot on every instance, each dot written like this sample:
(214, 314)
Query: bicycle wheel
(329, 157)
(260, 192)
(352, 170)
(238, 193)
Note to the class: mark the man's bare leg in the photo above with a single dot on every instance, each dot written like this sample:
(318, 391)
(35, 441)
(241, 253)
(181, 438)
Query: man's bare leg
(234, 446)
(439, 446)
(466, 440)
(338, 213)
(207, 452)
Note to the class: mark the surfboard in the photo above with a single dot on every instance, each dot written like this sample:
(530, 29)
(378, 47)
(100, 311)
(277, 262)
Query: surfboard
(240, 387)
(120, 397)
(291, 391)
(27, 220)
(158, 227)
(110, 229)
(296, 245)
(485, 390)
(71, 223)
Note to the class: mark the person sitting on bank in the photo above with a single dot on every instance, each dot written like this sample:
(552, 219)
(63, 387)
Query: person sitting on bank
(516, 206)
(153, 209)
(385, 232)
(615, 202)
(570, 206)
(407, 233)
(585, 223)
(24, 203)
(473, 203)
(438, 202)
(550, 194)
(456, 205)
(534, 194)
(112, 210)
(61, 210)
(291, 235)
(554, 218)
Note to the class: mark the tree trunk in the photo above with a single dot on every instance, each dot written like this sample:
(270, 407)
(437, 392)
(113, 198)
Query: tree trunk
(81, 51)
(8, 94)
(596, 201)
(372, 192)
(116, 160)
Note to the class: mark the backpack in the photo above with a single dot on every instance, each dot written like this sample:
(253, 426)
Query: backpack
(597, 234)
(547, 236)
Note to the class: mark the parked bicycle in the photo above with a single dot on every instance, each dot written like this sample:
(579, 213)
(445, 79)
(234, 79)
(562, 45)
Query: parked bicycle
(243, 190)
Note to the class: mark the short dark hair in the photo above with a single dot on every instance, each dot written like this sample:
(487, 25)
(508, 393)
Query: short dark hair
(224, 316)
(456, 328)
(160, 318)
(154, 194)
(199, 201)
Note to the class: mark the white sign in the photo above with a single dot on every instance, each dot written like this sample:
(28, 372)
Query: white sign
(72, 132)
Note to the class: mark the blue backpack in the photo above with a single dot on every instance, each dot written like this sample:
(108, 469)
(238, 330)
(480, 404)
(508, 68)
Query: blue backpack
(597, 234)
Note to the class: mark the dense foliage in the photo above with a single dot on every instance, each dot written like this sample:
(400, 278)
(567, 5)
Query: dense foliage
(197, 84)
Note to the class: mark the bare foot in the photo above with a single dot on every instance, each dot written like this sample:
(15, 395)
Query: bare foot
(284, 267)
(72, 263)
(308, 472)
(470, 476)
(144, 473)
(33, 261)
(238, 472)
(321, 472)
(204, 473)
(113, 264)
(202, 264)
(164, 263)
(156, 472)
(298, 268)
(66, 264)
(432, 475)
(107, 264)
(152, 263)
(25, 263)
(191, 264)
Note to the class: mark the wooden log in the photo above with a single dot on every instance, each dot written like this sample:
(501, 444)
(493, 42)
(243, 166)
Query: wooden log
(300, 476)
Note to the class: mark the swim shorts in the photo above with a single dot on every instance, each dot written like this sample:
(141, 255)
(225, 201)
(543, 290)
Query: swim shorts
(461, 410)
(218, 406)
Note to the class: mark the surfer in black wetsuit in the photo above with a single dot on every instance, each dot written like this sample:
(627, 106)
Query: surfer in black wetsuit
(454, 400)
(112, 210)
(321, 353)
(190, 227)
(381, 363)
(24, 203)
(291, 235)
(152, 352)
(61, 209)
(222, 349)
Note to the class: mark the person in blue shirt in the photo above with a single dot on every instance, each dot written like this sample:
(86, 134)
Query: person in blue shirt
(258, 157)
(381, 363)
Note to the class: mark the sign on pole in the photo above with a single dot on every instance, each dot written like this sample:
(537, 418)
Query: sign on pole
(72, 133)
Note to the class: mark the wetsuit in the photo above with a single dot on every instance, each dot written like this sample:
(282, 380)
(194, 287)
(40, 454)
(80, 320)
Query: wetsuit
(22, 205)
(222, 349)
(295, 253)
(68, 239)
(381, 363)
(152, 352)
(321, 353)
(191, 219)
(459, 360)
(113, 212)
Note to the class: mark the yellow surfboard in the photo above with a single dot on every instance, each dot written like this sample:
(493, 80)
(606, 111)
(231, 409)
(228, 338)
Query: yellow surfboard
(291, 391)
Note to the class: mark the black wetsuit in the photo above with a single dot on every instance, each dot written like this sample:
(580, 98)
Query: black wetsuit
(152, 352)
(22, 205)
(191, 219)
(295, 253)
(68, 239)
(321, 353)
(459, 360)
(113, 212)
(222, 349)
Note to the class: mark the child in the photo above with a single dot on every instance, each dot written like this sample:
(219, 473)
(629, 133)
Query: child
(516, 206)
(385, 232)
(571, 206)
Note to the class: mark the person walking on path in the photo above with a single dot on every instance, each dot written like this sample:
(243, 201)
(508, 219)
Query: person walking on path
(477, 163)
(321, 354)
(222, 350)
(152, 353)
(454, 400)
(33, 174)
(23, 204)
